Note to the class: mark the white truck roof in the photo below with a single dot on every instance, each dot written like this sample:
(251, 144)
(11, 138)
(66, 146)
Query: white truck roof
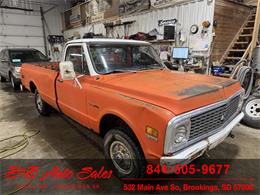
(116, 41)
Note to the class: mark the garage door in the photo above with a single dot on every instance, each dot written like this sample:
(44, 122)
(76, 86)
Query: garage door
(21, 29)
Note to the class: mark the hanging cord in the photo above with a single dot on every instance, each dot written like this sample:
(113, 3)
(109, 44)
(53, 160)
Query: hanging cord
(240, 64)
(241, 73)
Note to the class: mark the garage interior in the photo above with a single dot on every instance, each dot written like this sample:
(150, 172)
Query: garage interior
(219, 35)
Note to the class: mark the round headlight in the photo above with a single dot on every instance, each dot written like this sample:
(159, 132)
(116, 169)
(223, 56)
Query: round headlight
(180, 136)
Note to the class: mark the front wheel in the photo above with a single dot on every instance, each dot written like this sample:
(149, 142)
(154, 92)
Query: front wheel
(2, 79)
(14, 84)
(124, 155)
(42, 107)
(251, 110)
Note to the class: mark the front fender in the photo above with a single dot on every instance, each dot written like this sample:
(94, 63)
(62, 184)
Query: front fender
(139, 115)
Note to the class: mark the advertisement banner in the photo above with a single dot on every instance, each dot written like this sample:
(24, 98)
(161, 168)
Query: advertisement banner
(97, 177)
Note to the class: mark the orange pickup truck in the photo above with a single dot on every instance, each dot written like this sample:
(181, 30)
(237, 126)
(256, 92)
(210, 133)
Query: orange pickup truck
(121, 90)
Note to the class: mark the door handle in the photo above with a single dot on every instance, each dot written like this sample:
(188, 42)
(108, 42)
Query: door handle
(60, 80)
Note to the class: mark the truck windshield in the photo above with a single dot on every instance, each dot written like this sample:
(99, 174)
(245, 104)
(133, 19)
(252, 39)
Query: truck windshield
(124, 58)
(23, 56)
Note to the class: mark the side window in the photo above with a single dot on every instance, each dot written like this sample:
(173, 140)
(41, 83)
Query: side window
(1, 55)
(5, 55)
(76, 55)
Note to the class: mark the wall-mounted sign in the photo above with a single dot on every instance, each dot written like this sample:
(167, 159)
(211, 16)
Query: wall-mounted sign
(167, 22)
(97, 18)
(133, 6)
(74, 19)
(164, 3)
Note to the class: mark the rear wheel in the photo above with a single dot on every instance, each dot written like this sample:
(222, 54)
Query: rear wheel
(42, 107)
(251, 110)
(124, 155)
(2, 79)
(14, 84)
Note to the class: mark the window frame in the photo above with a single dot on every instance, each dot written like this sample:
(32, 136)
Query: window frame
(85, 68)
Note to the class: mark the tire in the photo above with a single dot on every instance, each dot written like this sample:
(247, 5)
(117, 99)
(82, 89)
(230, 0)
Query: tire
(116, 139)
(251, 110)
(42, 107)
(2, 79)
(15, 85)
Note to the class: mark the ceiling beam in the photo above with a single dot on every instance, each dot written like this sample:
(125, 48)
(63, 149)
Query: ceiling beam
(17, 8)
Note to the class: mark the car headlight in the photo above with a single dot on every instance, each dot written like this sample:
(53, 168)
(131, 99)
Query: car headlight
(17, 69)
(177, 133)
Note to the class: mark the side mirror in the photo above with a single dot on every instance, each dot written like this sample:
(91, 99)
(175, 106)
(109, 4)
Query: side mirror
(67, 71)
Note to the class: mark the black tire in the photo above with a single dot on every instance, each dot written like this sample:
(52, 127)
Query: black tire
(42, 107)
(251, 110)
(15, 85)
(2, 79)
(132, 168)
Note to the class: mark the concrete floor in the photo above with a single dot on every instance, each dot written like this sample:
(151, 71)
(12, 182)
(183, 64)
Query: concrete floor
(58, 139)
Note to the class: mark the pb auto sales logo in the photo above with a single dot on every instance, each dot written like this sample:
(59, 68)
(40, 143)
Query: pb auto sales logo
(34, 172)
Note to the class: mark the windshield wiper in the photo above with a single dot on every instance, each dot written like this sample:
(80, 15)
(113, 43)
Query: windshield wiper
(152, 67)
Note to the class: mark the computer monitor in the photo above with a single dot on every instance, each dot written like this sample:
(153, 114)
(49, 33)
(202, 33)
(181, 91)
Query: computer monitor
(180, 53)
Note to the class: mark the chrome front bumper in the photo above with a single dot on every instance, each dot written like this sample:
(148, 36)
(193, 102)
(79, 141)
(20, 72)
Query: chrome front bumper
(198, 149)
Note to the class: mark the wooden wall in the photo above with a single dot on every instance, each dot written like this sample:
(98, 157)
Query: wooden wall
(230, 17)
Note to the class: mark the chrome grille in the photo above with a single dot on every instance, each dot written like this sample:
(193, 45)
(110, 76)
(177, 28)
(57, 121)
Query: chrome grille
(212, 120)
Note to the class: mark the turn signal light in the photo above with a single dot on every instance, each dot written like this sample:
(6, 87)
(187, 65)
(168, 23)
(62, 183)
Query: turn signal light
(152, 133)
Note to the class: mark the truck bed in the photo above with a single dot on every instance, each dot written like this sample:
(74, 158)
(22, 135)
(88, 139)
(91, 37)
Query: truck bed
(41, 76)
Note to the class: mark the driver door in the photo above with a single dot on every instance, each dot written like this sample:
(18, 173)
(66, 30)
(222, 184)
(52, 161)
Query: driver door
(72, 97)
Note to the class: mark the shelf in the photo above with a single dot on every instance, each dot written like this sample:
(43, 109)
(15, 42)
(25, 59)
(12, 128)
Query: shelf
(163, 41)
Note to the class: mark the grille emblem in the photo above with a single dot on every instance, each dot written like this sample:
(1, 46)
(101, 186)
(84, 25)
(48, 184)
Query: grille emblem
(222, 117)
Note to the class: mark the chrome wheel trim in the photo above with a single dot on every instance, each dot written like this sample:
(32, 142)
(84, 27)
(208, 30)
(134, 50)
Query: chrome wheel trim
(253, 108)
(121, 157)
(39, 102)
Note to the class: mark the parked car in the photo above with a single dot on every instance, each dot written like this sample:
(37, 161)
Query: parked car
(11, 60)
(121, 90)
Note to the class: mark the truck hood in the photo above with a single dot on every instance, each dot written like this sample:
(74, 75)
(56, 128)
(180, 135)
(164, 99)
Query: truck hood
(175, 91)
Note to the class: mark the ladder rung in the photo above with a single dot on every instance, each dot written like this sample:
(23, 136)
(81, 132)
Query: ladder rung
(229, 65)
(237, 50)
(241, 42)
(233, 58)
(246, 35)
(248, 28)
